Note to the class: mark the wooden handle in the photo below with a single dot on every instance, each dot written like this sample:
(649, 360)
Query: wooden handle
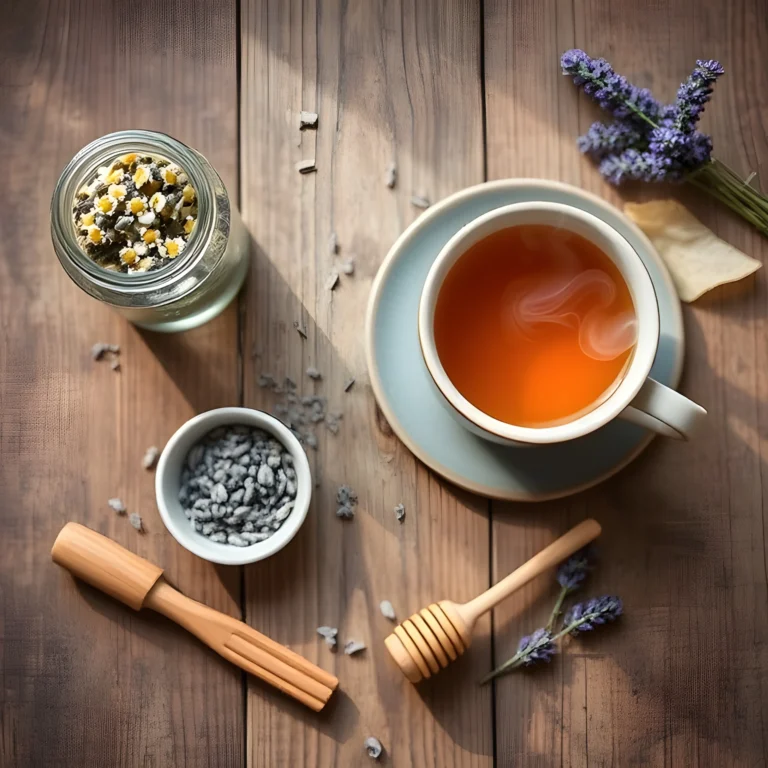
(243, 645)
(104, 564)
(556, 552)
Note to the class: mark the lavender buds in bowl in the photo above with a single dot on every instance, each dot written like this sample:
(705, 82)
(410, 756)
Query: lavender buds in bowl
(233, 485)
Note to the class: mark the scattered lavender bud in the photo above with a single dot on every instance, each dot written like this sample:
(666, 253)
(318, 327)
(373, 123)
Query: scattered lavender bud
(115, 364)
(306, 166)
(348, 267)
(346, 495)
(345, 512)
(300, 329)
(266, 380)
(349, 383)
(353, 646)
(150, 457)
(135, 520)
(417, 201)
(373, 747)
(307, 120)
(98, 350)
(400, 513)
(390, 176)
(329, 635)
(313, 373)
(117, 505)
(310, 438)
(333, 244)
(332, 281)
(387, 611)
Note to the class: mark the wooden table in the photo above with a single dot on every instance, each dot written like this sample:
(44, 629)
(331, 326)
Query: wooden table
(454, 92)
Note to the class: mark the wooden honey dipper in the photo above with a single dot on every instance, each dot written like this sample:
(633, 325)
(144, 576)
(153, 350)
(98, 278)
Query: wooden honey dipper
(106, 565)
(439, 634)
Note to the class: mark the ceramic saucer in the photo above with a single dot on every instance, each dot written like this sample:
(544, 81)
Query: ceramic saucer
(410, 402)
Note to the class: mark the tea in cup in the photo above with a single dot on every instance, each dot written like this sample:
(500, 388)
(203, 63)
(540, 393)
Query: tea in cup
(539, 323)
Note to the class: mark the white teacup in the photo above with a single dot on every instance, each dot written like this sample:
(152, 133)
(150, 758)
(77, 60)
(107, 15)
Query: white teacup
(636, 398)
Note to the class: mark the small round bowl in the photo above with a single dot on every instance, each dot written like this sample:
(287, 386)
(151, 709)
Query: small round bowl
(168, 480)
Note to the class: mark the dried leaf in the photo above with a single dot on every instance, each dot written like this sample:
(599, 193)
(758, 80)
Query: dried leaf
(697, 259)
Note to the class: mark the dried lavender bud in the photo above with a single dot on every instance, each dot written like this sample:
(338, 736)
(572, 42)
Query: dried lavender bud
(400, 513)
(313, 373)
(345, 512)
(417, 201)
(310, 438)
(332, 281)
(348, 267)
(575, 569)
(390, 176)
(300, 329)
(235, 480)
(532, 649)
(352, 647)
(306, 166)
(333, 244)
(135, 520)
(115, 365)
(150, 457)
(373, 747)
(307, 120)
(99, 349)
(349, 383)
(329, 635)
(266, 380)
(387, 611)
(584, 617)
(346, 495)
(117, 505)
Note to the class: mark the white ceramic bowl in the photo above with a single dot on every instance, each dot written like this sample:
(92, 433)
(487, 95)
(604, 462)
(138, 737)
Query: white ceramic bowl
(168, 479)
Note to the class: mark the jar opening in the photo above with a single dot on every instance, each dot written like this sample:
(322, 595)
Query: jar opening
(103, 151)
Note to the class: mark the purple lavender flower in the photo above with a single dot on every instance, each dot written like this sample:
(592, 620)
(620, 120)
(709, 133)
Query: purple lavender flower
(601, 139)
(584, 617)
(694, 93)
(613, 92)
(574, 570)
(685, 151)
(535, 648)
(532, 649)
(632, 165)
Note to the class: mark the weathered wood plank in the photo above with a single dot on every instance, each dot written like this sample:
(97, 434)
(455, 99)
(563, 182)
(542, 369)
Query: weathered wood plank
(390, 81)
(683, 681)
(83, 681)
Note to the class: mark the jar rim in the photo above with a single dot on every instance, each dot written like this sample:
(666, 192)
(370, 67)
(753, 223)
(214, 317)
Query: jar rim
(100, 152)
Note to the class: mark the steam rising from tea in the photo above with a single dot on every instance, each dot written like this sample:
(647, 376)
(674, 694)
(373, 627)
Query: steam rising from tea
(534, 325)
(583, 300)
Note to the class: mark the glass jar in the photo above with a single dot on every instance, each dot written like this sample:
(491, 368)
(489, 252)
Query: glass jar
(197, 285)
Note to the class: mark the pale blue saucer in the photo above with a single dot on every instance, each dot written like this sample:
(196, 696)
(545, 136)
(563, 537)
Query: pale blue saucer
(410, 401)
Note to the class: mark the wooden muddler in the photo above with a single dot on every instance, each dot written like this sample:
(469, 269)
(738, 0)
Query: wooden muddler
(106, 565)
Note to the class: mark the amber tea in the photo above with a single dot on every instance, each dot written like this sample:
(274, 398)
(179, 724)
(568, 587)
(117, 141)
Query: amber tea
(534, 325)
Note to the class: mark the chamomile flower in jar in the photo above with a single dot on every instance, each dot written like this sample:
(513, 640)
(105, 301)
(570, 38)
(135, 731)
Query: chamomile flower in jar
(145, 224)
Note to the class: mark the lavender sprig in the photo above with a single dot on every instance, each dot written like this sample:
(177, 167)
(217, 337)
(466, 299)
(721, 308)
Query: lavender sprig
(612, 92)
(601, 139)
(584, 617)
(532, 649)
(695, 92)
(570, 576)
(541, 645)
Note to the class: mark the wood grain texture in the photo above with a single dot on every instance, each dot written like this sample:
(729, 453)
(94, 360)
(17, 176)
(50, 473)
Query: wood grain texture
(683, 680)
(83, 680)
(385, 79)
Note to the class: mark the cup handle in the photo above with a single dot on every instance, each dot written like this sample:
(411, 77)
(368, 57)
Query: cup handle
(665, 411)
